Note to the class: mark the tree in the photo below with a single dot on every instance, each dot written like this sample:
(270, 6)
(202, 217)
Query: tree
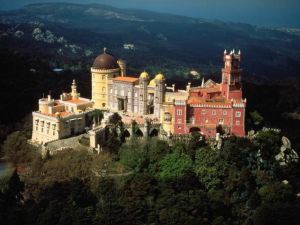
(174, 165)
(256, 118)
(16, 148)
(210, 167)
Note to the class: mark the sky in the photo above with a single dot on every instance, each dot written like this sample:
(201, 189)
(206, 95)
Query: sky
(258, 12)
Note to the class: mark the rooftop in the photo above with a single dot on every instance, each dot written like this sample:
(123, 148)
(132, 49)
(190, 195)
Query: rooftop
(126, 79)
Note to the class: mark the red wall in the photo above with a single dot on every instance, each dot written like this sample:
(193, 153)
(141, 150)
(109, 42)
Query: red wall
(180, 120)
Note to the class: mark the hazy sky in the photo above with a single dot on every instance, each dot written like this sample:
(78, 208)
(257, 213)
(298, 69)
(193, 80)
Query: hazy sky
(260, 12)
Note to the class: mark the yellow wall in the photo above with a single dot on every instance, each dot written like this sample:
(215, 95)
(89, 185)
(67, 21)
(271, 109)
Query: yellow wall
(100, 86)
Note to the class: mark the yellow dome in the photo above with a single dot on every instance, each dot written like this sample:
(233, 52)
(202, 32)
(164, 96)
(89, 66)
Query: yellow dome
(152, 83)
(144, 75)
(159, 77)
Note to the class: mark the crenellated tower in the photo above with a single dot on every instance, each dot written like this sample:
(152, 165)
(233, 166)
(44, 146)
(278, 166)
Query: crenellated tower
(231, 86)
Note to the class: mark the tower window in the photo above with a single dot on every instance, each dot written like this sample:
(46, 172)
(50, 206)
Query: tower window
(238, 114)
(179, 112)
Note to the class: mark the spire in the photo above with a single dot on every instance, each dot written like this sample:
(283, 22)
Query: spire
(104, 50)
(202, 84)
(225, 52)
(240, 52)
(74, 92)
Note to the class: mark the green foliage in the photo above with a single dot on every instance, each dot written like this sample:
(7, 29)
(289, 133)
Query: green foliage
(210, 168)
(16, 149)
(131, 153)
(174, 165)
(256, 118)
(276, 192)
(268, 142)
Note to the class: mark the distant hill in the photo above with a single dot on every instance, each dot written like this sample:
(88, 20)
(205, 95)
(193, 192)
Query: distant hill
(169, 43)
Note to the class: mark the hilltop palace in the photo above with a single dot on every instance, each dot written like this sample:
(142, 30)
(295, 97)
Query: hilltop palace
(156, 108)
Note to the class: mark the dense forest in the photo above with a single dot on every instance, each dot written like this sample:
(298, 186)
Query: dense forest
(150, 181)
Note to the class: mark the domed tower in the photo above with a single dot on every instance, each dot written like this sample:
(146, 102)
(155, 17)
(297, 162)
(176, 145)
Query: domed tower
(143, 95)
(159, 93)
(105, 67)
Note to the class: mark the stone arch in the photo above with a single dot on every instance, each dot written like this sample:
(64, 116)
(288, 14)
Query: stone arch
(153, 132)
(126, 134)
(220, 130)
(139, 133)
(194, 129)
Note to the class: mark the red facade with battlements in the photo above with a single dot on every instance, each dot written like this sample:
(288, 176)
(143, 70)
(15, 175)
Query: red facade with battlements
(214, 107)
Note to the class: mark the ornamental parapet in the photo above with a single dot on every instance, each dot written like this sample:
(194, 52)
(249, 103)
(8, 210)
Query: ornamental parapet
(211, 106)
(104, 71)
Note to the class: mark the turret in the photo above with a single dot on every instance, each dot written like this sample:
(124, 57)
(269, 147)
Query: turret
(105, 67)
(74, 93)
(159, 93)
(143, 95)
(231, 75)
(122, 66)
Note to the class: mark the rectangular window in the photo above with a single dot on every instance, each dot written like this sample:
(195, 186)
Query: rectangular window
(238, 114)
(179, 127)
(203, 111)
(221, 121)
(179, 112)
(214, 112)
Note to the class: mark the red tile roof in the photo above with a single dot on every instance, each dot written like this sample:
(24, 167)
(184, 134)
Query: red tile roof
(126, 79)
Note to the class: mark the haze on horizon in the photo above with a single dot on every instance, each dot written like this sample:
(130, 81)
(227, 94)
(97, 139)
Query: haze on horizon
(259, 12)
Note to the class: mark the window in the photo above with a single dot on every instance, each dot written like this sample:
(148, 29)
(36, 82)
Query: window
(224, 112)
(238, 123)
(213, 112)
(179, 127)
(203, 111)
(206, 121)
(116, 92)
(179, 112)
(221, 121)
(111, 90)
(238, 114)
(135, 94)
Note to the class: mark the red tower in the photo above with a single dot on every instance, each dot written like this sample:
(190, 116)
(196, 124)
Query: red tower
(231, 76)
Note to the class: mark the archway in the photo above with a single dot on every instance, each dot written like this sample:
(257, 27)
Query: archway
(126, 134)
(153, 133)
(194, 129)
(220, 130)
(139, 133)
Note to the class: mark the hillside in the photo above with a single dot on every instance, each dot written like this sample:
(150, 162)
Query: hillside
(167, 41)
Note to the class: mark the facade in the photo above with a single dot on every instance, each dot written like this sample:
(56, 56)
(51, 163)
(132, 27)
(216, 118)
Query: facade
(210, 108)
(64, 117)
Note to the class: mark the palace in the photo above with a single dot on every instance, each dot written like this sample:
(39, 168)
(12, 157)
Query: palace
(210, 108)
